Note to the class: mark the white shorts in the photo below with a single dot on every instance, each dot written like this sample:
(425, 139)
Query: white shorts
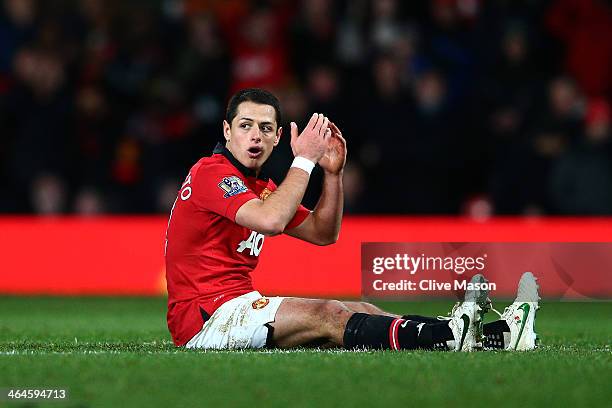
(238, 324)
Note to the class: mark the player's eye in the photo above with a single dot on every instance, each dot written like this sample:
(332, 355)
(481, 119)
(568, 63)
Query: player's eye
(245, 126)
(267, 129)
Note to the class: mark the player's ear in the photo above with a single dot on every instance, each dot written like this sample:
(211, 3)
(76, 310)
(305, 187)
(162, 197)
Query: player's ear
(278, 136)
(227, 131)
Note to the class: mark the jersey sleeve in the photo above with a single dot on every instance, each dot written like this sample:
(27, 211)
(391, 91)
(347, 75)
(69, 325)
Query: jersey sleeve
(300, 214)
(220, 189)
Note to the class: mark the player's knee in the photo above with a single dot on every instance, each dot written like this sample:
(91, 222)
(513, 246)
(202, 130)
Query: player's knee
(327, 316)
(332, 310)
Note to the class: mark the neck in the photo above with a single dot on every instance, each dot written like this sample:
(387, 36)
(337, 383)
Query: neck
(257, 169)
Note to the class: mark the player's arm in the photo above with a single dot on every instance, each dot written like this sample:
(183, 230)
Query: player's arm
(322, 226)
(271, 216)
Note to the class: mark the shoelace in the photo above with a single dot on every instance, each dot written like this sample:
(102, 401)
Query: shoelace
(448, 316)
(501, 315)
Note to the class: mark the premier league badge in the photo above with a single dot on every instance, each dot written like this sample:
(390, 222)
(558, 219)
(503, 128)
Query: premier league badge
(232, 186)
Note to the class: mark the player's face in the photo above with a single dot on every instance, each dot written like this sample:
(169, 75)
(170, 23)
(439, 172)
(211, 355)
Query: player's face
(252, 134)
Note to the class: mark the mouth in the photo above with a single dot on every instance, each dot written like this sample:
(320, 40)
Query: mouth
(254, 152)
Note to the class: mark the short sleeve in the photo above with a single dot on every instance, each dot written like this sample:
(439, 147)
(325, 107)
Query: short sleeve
(300, 214)
(220, 189)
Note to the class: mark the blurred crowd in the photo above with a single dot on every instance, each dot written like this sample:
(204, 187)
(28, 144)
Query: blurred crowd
(448, 106)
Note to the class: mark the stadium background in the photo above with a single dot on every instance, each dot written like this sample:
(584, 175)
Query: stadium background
(456, 112)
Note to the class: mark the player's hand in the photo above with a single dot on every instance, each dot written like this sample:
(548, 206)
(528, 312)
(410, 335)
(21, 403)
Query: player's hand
(334, 159)
(312, 142)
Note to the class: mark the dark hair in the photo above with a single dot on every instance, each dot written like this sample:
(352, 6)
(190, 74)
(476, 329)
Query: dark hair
(256, 95)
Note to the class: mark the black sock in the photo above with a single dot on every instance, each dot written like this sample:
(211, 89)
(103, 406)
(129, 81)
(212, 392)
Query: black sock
(435, 335)
(367, 331)
(494, 334)
(385, 332)
(443, 332)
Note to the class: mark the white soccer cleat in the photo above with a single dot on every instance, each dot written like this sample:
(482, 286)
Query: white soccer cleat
(465, 319)
(520, 315)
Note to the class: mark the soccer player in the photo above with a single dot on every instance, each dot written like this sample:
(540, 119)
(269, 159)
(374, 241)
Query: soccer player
(224, 211)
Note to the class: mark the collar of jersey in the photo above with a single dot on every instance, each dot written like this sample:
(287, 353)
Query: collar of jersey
(246, 172)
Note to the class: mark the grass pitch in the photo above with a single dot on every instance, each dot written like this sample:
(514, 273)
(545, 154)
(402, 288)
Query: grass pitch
(117, 352)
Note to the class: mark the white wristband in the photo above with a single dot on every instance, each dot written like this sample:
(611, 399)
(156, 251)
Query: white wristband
(303, 163)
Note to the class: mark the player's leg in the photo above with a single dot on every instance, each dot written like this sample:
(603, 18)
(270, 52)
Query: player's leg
(306, 322)
(293, 318)
(300, 322)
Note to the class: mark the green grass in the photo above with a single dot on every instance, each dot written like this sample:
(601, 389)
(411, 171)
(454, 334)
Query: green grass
(117, 352)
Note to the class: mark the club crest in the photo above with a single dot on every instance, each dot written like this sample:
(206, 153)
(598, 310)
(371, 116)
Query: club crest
(260, 303)
(265, 193)
(232, 186)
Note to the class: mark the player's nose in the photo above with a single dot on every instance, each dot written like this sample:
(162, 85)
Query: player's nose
(256, 135)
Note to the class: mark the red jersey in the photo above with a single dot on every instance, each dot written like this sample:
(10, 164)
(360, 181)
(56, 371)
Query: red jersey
(209, 258)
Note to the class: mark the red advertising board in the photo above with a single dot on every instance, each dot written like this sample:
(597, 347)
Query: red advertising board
(124, 255)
